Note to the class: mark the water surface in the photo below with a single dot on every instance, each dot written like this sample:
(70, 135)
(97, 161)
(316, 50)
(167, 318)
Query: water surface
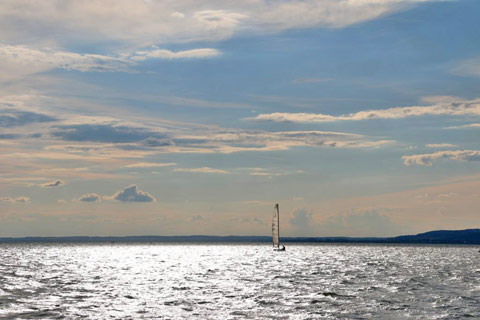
(237, 281)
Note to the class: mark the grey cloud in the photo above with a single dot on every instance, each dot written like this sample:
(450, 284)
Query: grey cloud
(15, 118)
(56, 183)
(15, 200)
(302, 220)
(133, 194)
(367, 223)
(90, 197)
(8, 136)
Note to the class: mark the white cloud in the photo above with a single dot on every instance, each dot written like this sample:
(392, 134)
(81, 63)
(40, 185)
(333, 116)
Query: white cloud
(167, 54)
(20, 60)
(144, 23)
(465, 126)
(15, 200)
(440, 145)
(428, 158)
(202, 170)
(17, 61)
(443, 106)
(150, 164)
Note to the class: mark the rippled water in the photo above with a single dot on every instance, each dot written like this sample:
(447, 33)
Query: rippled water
(109, 281)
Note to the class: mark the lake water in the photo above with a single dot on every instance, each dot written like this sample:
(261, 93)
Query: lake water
(237, 281)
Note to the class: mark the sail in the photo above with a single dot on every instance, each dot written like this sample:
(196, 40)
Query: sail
(276, 227)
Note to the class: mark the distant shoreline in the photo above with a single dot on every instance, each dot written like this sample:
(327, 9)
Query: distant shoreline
(458, 237)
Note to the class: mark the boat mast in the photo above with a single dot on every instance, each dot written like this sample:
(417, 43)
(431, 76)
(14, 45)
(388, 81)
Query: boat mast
(278, 223)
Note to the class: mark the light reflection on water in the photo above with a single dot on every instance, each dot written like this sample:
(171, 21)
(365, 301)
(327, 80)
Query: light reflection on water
(211, 281)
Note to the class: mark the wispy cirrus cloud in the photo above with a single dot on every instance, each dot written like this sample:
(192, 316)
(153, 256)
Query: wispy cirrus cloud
(465, 126)
(19, 60)
(469, 67)
(427, 159)
(202, 170)
(440, 145)
(150, 164)
(167, 54)
(442, 106)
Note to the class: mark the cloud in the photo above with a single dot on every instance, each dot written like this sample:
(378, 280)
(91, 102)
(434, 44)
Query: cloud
(56, 183)
(469, 67)
(140, 22)
(197, 218)
(14, 118)
(167, 54)
(228, 141)
(90, 197)
(428, 158)
(15, 200)
(362, 224)
(465, 126)
(19, 60)
(451, 106)
(150, 164)
(302, 220)
(202, 170)
(112, 132)
(132, 194)
(440, 145)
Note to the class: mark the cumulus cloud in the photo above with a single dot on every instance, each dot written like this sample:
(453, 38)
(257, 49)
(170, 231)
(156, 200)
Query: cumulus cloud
(202, 170)
(56, 183)
(302, 220)
(15, 200)
(90, 197)
(14, 118)
(132, 194)
(167, 54)
(362, 224)
(427, 159)
(443, 106)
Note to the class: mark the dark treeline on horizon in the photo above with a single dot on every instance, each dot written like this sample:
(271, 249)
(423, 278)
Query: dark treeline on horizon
(469, 236)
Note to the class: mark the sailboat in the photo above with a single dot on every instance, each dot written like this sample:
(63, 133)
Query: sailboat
(276, 230)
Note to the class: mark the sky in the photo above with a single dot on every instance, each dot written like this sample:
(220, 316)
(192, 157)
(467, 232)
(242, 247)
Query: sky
(146, 117)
